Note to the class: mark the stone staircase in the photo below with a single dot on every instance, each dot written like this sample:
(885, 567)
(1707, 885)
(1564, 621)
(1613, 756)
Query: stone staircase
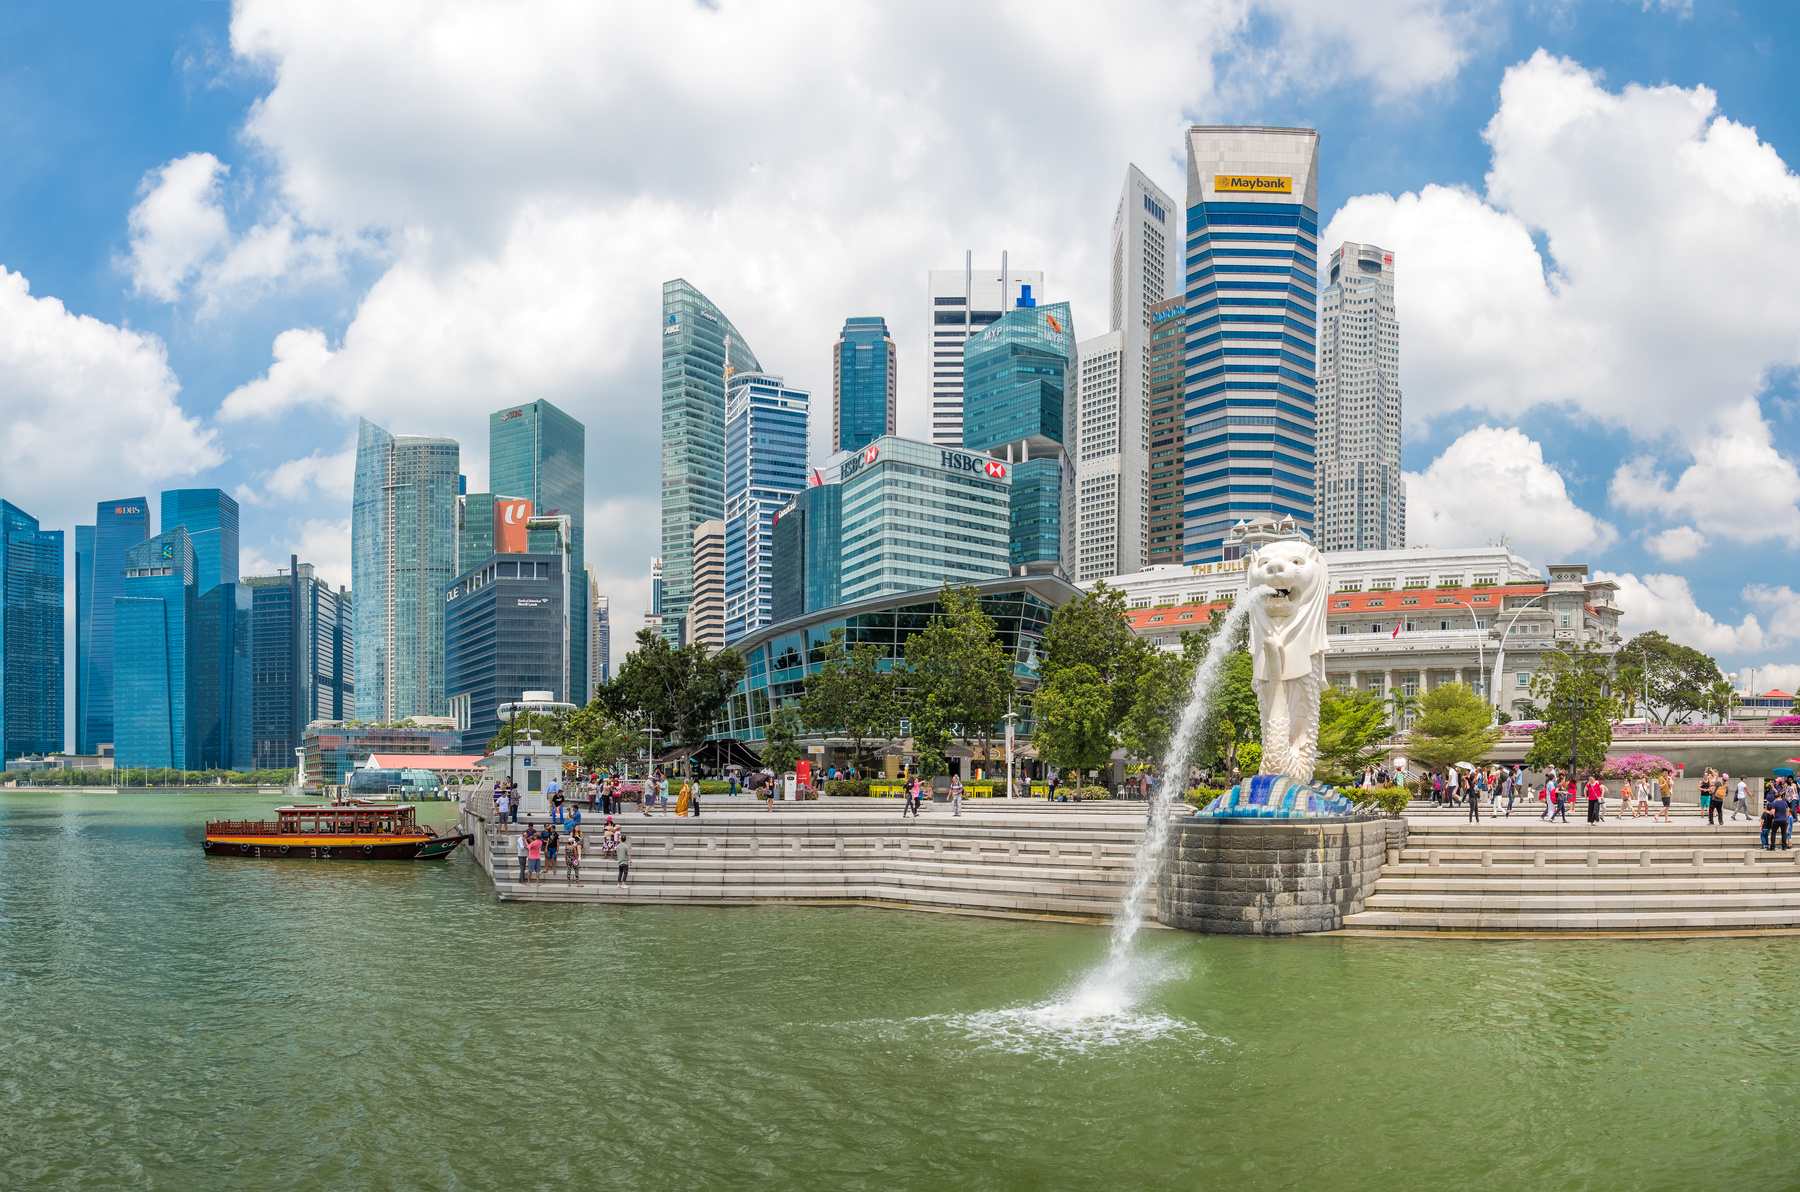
(1524, 875)
(1043, 861)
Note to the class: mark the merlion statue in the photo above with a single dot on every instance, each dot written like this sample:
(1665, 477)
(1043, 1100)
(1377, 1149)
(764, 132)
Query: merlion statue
(1287, 652)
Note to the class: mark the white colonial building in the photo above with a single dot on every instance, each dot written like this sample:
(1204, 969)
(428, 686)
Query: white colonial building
(1408, 620)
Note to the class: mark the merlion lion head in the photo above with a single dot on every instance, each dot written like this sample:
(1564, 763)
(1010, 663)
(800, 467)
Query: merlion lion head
(1297, 574)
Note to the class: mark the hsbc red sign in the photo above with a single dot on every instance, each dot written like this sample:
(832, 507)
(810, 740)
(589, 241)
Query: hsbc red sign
(996, 469)
(871, 453)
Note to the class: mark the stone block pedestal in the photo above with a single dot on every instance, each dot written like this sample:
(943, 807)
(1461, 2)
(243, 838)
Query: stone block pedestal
(1268, 876)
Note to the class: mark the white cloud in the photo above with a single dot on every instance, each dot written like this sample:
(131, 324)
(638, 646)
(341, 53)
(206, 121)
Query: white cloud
(1782, 606)
(1711, 491)
(1771, 676)
(177, 224)
(181, 239)
(90, 410)
(1666, 604)
(320, 541)
(1676, 544)
(532, 174)
(1670, 288)
(318, 474)
(1491, 482)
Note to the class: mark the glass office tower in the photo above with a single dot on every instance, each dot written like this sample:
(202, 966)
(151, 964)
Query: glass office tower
(765, 465)
(211, 519)
(701, 352)
(1252, 295)
(152, 618)
(118, 526)
(31, 635)
(1017, 382)
(402, 559)
(303, 660)
(862, 384)
(219, 640)
(807, 546)
(84, 623)
(536, 450)
(505, 634)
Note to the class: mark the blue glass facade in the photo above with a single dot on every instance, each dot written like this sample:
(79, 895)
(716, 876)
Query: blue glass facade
(701, 351)
(84, 624)
(302, 661)
(862, 384)
(1252, 291)
(778, 658)
(917, 516)
(31, 635)
(402, 558)
(808, 552)
(118, 526)
(503, 636)
(152, 620)
(211, 520)
(765, 465)
(536, 450)
(1018, 383)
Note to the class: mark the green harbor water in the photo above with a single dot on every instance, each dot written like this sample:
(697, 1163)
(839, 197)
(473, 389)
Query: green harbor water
(169, 1020)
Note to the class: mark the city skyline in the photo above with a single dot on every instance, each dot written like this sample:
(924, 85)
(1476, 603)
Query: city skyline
(1577, 425)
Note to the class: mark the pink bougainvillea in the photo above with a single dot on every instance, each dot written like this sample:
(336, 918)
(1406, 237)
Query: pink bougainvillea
(1785, 722)
(1637, 765)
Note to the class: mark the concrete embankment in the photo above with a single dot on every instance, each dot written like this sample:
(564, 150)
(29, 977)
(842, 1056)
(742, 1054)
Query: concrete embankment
(1026, 859)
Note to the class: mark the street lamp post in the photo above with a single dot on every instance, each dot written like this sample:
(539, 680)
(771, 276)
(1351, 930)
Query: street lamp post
(1480, 652)
(1500, 652)
(1011, 718)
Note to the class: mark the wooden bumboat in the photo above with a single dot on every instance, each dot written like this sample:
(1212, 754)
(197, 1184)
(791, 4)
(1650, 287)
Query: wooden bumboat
(351, 831)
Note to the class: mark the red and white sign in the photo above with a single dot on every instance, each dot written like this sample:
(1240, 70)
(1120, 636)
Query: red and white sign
(816, 480)
(996, 469)
(510, 516)
(870, 453)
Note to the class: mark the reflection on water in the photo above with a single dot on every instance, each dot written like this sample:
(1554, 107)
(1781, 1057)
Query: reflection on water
(168, 1020)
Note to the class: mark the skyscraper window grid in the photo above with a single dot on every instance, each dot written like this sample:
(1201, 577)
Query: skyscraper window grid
(765, 465)
(1168, 369)
(1251, 298)
(119, 525)
(701, 351)
(31, 635)
(963, 302)
(539, 451)
(1359, 489)
(863, 384)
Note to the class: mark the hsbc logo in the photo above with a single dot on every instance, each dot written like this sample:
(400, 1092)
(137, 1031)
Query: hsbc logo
(955, 461)
(871, 453)
(996, 469)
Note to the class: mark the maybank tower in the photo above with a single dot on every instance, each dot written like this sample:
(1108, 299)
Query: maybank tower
(1251, 254)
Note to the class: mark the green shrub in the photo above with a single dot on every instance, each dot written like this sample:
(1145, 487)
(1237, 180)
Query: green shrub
(855, 787)
(1391, 799)
(1200, 796)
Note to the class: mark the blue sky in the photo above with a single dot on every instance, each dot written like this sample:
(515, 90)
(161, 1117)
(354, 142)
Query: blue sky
(262, 221)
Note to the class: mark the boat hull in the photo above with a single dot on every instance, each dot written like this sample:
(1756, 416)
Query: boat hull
(334, 848)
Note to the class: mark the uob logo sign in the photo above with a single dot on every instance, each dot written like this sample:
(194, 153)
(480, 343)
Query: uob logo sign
(510, 517)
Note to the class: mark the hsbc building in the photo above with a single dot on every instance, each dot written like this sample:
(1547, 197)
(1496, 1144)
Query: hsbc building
(920, 516)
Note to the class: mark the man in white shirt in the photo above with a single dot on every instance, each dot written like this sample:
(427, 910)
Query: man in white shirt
(1742, 802)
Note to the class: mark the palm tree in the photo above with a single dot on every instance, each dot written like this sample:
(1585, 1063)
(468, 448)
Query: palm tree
(1722, 698)
(1402, 706)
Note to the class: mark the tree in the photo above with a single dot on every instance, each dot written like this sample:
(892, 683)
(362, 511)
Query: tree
(1402, 706)
(1157, 702)
(957, 664)
(1454, 725)
(601, 739)
(1235, 718)
(781, 749)
(930, 736)
(849, 694)
(1586, 724)
(1072, 714)
(1094, 629)
(1351, 726)
(1668, 679)
(1721, 698)
(680, 691)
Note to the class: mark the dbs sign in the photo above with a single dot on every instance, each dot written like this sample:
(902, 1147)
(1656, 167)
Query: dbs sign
(510, 516)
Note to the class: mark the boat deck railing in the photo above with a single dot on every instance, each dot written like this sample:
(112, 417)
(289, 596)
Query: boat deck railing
(328, 828)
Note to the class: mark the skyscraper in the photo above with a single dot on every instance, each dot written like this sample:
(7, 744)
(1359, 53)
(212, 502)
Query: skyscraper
(1111, 441)
(118, 526)
(1252, 292)
(765, 465)
(211, 519)
(1358, 494)
(474, 527)
(862, 384)
(701, 352)
(1168, 368)
(402, 560)
(807, 546)
(599, 634)
(706, 611)
(536, 450)
(84, 624)
(1019, 400)
(153, 618)
(304, 663)
(963, 301)
(920, 516)
(31, 635)
(505, 633)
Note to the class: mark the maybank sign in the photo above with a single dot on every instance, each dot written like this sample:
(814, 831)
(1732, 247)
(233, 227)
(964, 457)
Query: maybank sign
(1259, 184)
